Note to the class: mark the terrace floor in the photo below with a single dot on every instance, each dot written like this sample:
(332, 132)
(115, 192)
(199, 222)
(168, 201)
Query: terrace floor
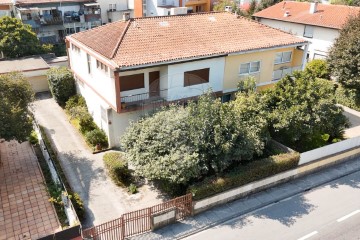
(25, 212)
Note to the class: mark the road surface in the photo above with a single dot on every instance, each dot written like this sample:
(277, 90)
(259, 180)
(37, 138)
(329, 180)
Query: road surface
(331, 211)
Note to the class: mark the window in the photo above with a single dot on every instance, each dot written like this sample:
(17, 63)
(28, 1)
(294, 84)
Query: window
(112, 7)
(196, 77)
(75, 48)
(226, 98)
(282, 57)
(88, 63)
(132, 82)
(250, 67)
(308, 31)
(101, 66)
(279, 74)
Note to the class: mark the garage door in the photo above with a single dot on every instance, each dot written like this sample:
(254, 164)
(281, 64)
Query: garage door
(39, 83)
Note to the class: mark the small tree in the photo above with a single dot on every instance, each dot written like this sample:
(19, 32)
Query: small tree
(16, 95)
(17, 39)
(61, 84)
(318, 68)
(344, 60)
(302, 109)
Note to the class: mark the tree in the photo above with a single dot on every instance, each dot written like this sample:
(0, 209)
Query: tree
(61, 84)
(344, 60)
(16, 95)
(318, 68)
(17, 39)
(302, 109)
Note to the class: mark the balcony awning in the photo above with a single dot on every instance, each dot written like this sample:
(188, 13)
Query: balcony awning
(91, 4)
(28, 9)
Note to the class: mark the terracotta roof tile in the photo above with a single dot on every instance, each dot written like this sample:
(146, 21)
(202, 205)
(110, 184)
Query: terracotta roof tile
(330, 16)
(25, 2)
(170, 38)
(5, 2)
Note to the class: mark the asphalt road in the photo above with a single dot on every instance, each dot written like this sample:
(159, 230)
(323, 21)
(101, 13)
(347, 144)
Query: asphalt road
(329, 212)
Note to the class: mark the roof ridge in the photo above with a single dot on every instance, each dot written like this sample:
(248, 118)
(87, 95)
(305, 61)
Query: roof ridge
(181, 15)
(121, 38)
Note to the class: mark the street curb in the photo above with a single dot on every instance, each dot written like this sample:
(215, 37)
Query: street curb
(270, 202)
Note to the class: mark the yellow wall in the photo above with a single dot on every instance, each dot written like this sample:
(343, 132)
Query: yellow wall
(267, 66)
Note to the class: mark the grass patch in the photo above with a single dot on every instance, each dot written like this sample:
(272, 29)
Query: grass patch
(244, 174)
(118, 170)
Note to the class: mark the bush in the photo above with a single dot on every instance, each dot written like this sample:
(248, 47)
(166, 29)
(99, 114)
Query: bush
(61, 84)
(242, 175)
(132, 188)
(118, 168)
(78, 205)
(95, 137)
(75, 101)
(86, 122)
(33, 138)
(348, 97)
(318, 68)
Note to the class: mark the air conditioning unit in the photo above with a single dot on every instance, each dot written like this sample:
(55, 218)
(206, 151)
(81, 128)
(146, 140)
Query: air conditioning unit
(178, 11)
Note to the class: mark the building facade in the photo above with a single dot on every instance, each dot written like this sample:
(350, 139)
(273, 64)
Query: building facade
(151, 62)
(317, 23)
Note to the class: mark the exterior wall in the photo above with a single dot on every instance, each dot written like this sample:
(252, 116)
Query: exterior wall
(39, 83)
(267, 66)
(321, 41)
(103, 83)
(121, 5)
(176, 89)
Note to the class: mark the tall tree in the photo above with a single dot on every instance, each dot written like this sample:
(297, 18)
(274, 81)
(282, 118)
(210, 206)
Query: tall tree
(16, 95)
(344, 56)
(17, 39)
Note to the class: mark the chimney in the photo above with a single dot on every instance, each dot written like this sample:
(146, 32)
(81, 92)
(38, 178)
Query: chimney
(313, 7)
(286, 14)
(126, 16)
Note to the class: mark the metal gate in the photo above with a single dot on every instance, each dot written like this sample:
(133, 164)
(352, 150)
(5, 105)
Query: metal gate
(137, 222)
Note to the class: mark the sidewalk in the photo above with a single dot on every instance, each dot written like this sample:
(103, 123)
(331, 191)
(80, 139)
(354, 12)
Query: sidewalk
(85, 172)
(246, 205)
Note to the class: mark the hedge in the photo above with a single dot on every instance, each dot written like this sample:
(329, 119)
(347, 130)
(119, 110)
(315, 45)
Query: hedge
(242, 175)
(117, 167)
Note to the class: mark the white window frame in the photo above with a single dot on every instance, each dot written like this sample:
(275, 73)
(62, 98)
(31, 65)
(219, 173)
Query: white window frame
(112, 7)
(249, 69)
(282, 57)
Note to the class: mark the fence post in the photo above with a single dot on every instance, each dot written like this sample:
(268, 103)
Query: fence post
(122, 224)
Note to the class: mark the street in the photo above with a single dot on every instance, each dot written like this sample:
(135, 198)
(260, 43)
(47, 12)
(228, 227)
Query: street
(331, 211)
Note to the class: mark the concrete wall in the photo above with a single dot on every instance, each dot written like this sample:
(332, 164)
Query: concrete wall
(321, 41)
(121, 5)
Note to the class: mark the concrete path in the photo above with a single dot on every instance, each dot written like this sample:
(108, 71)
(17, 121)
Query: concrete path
(104, 201)
(354, 118)
(224, 213)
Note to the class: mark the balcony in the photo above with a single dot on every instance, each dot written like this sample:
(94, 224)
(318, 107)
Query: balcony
(92, 17)
(51, 20)
(144, 100)
(282, 72)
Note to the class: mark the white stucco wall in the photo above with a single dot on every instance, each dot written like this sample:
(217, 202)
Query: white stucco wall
(104, 83)
(176, 89)
(321, 41)
(104, 5)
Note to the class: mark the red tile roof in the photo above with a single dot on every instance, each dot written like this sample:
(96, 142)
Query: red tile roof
(329, 16)
(5, 2)
(152, 40)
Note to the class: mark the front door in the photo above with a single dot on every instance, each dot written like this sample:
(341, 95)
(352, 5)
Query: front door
(154, 84)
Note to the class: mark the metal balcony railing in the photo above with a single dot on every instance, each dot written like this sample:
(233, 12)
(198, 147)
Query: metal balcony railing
(156, 98)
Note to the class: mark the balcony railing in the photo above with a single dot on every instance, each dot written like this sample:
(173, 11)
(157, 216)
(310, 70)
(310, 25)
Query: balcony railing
(92, 17)
(152, 99)
(280, 73)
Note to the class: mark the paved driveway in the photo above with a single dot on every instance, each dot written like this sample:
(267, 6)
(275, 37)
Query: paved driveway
(84, 171)
(25, 212)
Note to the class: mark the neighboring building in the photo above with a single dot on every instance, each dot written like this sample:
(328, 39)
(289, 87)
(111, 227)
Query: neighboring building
(7, 8)
(53, 20)
(318, 23)
(125, 68)
(34, 69)
(115, 10)
(151, 8)
(54, 61)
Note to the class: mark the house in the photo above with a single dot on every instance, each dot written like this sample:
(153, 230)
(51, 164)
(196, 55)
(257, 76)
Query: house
(126, 68)
(115, 10)
(52, 20)
(318, 23)
(6, 8)
(34, 69)
(151, 8)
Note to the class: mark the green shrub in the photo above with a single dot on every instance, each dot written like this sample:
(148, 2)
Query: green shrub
(242, 175)
(86, 122)
(95, 137)
(318, 68)
(78, 205)
(33, 138)
(117, 167)
(61, 84)
(348, 97)
(75, 101)
(132, 188)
